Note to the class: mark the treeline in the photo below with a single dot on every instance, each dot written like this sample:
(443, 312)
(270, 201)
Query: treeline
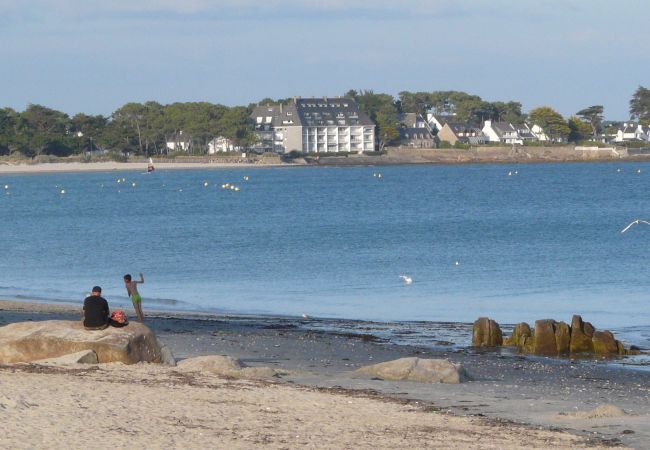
(145, 128)
(135, 128)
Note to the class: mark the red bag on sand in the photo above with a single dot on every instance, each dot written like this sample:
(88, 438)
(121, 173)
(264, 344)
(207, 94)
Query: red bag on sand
(118, 318)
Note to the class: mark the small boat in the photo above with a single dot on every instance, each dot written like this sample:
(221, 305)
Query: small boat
(150, 167)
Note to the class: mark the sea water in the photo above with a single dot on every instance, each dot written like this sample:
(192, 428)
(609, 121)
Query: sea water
(512, 242)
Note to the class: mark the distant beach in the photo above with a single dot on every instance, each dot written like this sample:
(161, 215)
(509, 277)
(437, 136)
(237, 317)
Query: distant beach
(112, 165)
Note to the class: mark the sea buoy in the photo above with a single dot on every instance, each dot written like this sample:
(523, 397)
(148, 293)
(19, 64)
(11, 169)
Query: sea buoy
(6, 186)
(133, 184)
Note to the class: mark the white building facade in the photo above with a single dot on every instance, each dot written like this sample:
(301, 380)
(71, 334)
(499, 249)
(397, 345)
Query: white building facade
(315, 125)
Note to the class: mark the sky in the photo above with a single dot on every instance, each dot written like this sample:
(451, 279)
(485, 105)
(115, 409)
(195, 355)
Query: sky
(94, 56)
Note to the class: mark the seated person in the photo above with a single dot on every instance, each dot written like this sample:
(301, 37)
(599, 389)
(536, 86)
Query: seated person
(96, 314)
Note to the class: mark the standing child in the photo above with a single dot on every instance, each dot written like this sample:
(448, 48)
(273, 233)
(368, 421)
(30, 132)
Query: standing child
(132, 290)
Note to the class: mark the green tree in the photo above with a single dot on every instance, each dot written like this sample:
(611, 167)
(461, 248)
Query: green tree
(579, 129)
(382, 110)
(41, 127)
(234, 125)
(509, 112)
(8, 123)
(640, 105)
(88, 131)
(552, 122)
(593, 115)
(417, 102)
(127, 123)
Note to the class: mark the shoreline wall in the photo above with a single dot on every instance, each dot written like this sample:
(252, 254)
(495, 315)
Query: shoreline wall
(509, 154)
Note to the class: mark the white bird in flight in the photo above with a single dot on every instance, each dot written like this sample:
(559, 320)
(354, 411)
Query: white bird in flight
(407, 279)
(636, 222)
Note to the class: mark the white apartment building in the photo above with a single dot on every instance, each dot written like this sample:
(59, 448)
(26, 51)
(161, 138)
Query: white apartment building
(315, 125)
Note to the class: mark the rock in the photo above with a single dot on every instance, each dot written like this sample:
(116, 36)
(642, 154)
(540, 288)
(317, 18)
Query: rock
(604, 343)
(416, 369)
(562, 337)
(633, 350)
(82, 357)
(600, 412)
(520, 334)
(544, 342)
(33, 341)
(486, 333)
(225, 366)
(581, 334)
(166, 356)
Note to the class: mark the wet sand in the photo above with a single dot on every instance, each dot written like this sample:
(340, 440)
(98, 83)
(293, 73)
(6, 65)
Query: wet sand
(508, 391)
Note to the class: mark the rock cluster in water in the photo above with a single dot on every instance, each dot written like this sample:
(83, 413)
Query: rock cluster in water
(551, 338)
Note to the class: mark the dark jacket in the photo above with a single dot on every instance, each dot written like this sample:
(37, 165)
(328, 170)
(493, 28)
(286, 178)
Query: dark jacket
(96, 314)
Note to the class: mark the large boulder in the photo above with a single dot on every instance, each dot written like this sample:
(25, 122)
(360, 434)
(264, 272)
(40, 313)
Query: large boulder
(82, 357)
(544, 342)
(416, 369)
(520, 335)
(32, 341)
(562, 337)
(605, 344)
(225, 366)
(581, 334)
(486, 333)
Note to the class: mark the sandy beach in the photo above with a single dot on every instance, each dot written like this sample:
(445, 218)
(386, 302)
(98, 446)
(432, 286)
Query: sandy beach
(110, 166)
(511, 402)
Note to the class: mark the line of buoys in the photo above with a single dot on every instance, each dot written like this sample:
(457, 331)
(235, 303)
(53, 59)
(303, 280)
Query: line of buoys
(231, 187)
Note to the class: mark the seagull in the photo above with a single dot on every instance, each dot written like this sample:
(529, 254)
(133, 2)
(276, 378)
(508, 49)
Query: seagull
(636, 222)
(407, 279)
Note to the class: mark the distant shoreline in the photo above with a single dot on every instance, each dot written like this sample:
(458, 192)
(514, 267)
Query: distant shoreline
(59, 167)
(393, 157)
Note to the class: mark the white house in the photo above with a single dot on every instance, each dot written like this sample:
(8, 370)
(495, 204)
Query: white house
(540, 133)
(179, 142)
(220, 144)
(437, 121)
(501, 132)
(632, 132)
